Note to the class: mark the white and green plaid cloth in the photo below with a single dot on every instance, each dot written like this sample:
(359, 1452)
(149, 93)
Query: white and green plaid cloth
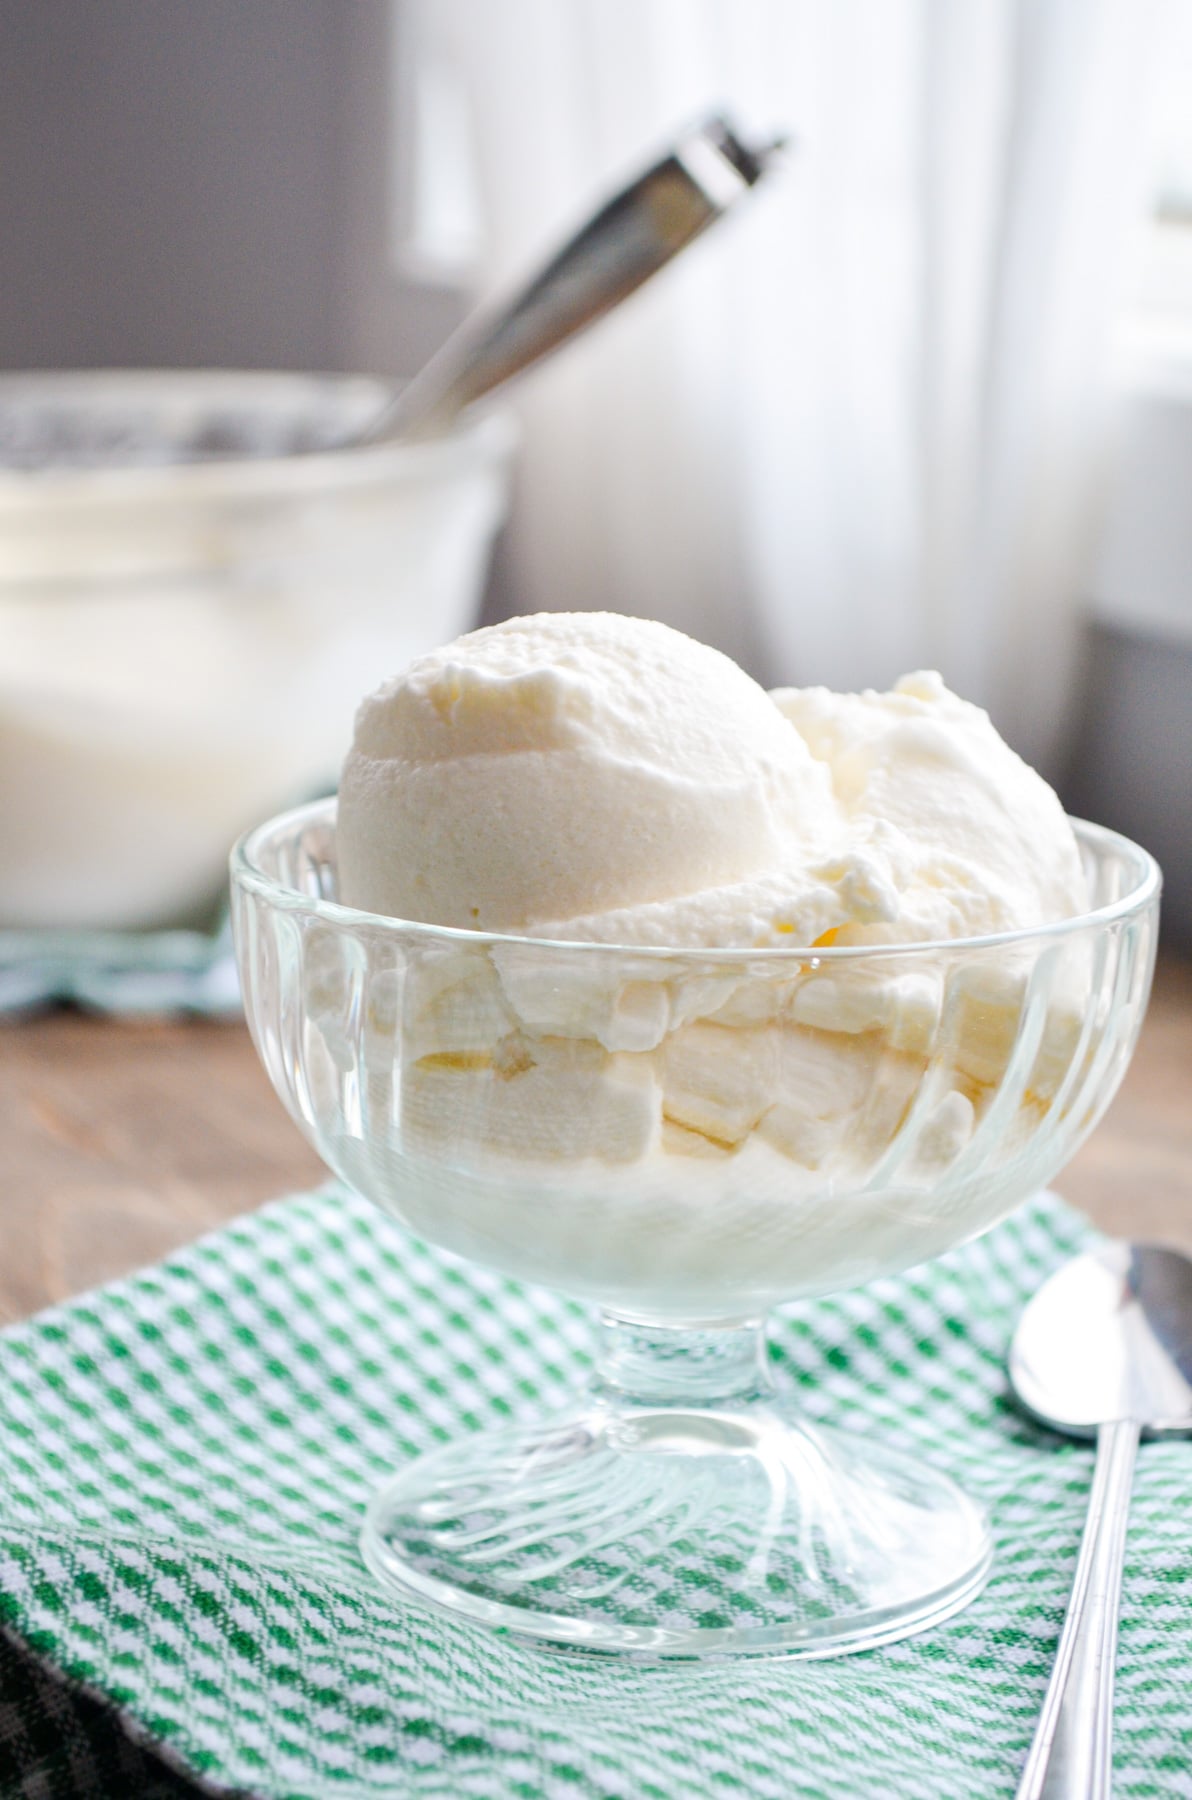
(122, 972)
(184, 1457)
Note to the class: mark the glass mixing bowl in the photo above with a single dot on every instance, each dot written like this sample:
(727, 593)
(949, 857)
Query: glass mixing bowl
(684, 1138)
(197, 582)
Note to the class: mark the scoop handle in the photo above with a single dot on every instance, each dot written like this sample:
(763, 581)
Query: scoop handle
(1071, 1757)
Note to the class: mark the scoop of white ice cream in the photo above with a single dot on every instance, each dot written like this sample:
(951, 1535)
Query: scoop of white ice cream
(569, 764)
(591, 776)
(937, 812)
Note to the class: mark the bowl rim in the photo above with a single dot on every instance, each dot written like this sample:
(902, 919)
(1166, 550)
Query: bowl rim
(247, 875)
(482, 437)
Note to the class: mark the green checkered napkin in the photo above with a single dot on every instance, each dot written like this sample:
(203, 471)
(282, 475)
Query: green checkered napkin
(122, 972)
(184, 1457)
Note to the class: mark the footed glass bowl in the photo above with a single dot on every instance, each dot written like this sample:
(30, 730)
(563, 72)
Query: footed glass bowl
(684, 1138)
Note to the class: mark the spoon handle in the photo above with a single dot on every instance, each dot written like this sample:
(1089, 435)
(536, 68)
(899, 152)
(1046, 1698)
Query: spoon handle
(1071, 1757)
(631, 237)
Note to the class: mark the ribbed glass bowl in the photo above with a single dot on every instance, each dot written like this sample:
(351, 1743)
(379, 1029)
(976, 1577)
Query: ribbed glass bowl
(685, 1138)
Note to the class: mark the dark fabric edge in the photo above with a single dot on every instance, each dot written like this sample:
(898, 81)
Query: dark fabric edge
(114, 1737)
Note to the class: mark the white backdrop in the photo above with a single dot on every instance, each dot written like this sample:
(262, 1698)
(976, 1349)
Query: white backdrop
(860, 427)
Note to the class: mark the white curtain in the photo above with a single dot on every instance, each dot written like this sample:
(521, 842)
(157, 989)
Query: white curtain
(860, 427)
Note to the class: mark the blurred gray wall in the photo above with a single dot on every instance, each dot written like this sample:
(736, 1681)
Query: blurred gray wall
(192, 182)
(1132, 755)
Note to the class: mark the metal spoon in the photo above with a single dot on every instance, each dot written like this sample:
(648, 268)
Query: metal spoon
(1104, 1349)
(627, 240)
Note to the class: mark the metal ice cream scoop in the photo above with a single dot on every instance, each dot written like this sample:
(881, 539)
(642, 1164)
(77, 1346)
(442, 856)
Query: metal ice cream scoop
(627, 240)
(1103, 1350)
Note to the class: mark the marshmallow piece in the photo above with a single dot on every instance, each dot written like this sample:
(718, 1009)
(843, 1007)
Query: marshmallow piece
(800, 1135)
(1061, 1039)
(453, 1005)
(640, 1017)
(1069, 1000)
(895, 1080)
(325, 973)
(678, 1140)
(552, 997)
(873, 996)
(916, 1001)
(719, 1081)
(381, 1023)
(756, 1000)
(333, 978)
(621, 1003)
(700, 997)
(842, 1097)
(986, 1009)
(945, 1134)
(983, 1014)
(536, 1101)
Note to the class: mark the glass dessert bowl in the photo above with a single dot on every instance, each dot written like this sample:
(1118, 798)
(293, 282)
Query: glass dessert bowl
(685, 1139)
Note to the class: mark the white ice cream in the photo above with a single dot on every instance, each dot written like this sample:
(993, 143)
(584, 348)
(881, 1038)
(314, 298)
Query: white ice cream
(566, 765)
(589, 776)
(607, 781)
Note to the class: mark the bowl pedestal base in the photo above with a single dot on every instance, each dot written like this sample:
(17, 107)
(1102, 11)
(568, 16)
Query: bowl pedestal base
(683, 1511)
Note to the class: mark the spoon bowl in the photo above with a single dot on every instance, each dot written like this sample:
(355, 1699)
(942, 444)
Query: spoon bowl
(1104, 1349)
(1109, 1337)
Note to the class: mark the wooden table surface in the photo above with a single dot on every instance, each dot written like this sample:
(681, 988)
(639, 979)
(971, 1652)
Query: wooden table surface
(121, 1141)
